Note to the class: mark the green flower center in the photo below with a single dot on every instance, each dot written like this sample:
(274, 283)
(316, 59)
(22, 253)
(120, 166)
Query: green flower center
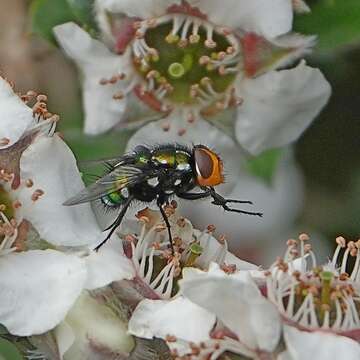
(332, 298)
(6, 204)
(185, 60)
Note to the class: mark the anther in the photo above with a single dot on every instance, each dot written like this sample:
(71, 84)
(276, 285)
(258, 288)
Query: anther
(118, 96)
(17, 204)
(304, 237)
(221, 55)
(205, 81)
(29, 183)
(113, 79)
(209, 43)
(4, 141)
(230, 50)
(36, 194)
(194, 38)
(181, 131)
(291, 242)
(172, 39)
(183, 43)
(341, 241)
(204, 60)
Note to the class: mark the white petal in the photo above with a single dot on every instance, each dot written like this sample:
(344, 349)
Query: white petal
(239, 305)
(102, 112)
(52, 167)
(279, 106)
(95, 323)
(319, 345)
(65, 337)
(153, 134)
(107, 265)
(37, 289)
(137, 8)
(179, 317)
(15, 116)
(269, 18)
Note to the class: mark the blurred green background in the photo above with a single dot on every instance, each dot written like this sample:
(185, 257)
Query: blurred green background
(328, 152)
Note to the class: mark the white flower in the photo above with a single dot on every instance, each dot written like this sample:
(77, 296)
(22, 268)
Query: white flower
(156, 273)
(146, 246)
(316, 308)
(195, 59)
(319, 304)
(247, 323)
(89, 328)
(38, 283)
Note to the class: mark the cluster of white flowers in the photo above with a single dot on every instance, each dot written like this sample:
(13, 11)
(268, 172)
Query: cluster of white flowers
(189, 61)
(217, 73)
(46, 256)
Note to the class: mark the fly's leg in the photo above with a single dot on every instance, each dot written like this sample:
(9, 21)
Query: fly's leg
(221, 201)
(116, 223)
(207, 193)
(194, 196)
(160, 205)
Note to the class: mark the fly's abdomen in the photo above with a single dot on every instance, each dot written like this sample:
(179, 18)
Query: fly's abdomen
(116, 198)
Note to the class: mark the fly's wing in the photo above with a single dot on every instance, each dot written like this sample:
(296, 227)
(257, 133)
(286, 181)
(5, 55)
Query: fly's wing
(92, 170)
(117, 179)
(108, 162)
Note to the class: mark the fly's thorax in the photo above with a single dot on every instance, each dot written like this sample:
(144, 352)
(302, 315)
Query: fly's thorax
(173, 158)
(142, 155)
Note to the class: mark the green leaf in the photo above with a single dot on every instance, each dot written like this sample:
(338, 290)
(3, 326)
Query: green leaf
(264, 165)
(46, 14)
(83, 11)
(336, 22)
(3, 330)
(8, 351)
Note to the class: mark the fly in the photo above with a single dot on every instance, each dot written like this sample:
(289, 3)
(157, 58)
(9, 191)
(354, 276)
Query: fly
(159, 173)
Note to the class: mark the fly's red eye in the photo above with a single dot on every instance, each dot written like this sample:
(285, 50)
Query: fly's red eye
(204, 163)
(208, 167)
